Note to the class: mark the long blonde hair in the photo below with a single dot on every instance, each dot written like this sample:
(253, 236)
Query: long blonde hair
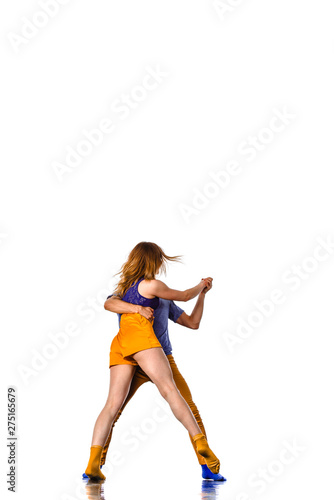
(145, 261)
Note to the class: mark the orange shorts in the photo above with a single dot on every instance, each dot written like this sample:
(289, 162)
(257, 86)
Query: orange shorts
(135, 334)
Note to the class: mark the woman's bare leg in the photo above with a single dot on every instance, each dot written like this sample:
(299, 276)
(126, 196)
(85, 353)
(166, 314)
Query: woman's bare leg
(155, 364)
(120, 381)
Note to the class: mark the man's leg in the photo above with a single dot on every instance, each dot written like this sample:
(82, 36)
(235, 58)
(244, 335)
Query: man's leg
(182, 386)
(139, 379)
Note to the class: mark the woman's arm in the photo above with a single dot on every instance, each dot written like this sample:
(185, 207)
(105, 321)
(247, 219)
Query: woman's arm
(156, 288)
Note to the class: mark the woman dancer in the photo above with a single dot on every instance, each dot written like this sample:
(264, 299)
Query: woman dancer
(136, 344)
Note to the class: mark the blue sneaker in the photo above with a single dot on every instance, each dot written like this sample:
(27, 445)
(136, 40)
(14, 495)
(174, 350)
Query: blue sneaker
(207, 474)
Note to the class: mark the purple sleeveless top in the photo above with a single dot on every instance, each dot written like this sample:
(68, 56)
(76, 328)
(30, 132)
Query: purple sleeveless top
(133, 296)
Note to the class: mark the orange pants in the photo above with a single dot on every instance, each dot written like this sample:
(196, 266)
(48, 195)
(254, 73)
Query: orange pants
(139, 379)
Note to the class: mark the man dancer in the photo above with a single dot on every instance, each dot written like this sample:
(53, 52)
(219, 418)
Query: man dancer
(167, 310)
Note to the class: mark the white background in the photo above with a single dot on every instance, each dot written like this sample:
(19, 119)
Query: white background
(62, 241)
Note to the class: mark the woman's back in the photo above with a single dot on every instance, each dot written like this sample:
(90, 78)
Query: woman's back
(133, 296)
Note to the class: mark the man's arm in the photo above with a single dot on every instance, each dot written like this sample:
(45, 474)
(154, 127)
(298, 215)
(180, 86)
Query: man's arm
(193, 321)
(116, 305)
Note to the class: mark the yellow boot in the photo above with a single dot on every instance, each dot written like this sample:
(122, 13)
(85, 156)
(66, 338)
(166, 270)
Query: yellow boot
(204, 450)
(93, 468)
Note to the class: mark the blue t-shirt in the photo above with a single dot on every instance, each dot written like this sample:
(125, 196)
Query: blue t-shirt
(166, 310)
